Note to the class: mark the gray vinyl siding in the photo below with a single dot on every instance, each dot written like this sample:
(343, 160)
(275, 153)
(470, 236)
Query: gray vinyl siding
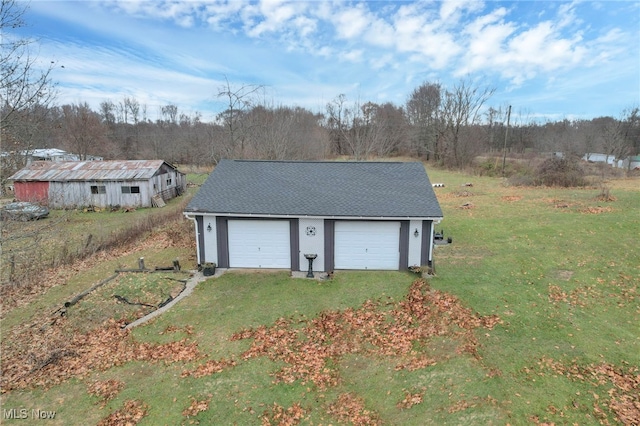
(294, 243)
(329, 244)
(223, 242)
(404, 245)
(427, 236)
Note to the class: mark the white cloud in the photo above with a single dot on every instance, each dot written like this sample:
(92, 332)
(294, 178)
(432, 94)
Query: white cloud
(352, 55)
(419, 34)
(351, 22)
(335, 45)
(273, 15)
(451, 10)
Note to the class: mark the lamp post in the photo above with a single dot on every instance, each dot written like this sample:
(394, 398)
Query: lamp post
(310, 258)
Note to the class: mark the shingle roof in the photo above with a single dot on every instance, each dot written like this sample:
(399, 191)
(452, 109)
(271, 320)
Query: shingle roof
(53, 171)
(299, 188)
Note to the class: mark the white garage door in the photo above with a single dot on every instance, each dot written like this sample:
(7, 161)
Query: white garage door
(367, 245)
(259, 244)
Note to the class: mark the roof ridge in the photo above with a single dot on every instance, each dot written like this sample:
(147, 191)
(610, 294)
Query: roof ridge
(240, 160)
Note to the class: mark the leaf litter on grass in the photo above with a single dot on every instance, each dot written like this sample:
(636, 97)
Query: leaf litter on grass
(423, 314)
(106, 390)
(56, 355)
(311, 352)
(622, 386)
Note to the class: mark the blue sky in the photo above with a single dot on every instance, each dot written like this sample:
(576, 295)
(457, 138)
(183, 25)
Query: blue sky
(548, 59)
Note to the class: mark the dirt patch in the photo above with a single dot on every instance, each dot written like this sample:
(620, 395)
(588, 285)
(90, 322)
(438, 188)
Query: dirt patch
(511, 198)
(595, 210)
(564, 274)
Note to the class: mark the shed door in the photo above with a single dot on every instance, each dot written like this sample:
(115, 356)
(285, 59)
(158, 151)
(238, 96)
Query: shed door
(259, 244)
(367, 245)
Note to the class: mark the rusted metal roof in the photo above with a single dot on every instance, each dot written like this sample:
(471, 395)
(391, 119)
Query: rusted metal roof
(89, 170)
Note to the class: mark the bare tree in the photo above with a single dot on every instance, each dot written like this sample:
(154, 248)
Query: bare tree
(26, 91)
(169, 113)
(460, 109)
(239, 101)
(620, 136)
(423, 110)
(336, 123)
(82, 130)
(390, 120)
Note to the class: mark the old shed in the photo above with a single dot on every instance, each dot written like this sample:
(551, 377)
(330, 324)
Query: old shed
(68, 184)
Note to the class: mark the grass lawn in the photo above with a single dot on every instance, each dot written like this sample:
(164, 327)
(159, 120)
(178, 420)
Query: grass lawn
(533, 317)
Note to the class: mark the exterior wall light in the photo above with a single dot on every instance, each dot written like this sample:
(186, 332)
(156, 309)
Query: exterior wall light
(209, 228)
(416, 233)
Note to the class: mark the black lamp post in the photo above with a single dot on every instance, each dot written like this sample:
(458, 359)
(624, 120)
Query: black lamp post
(310, 258)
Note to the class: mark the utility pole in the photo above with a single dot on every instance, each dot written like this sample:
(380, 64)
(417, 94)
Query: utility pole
(506, 135)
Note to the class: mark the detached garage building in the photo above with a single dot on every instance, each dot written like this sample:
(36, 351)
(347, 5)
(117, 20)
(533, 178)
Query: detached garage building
(352, 215)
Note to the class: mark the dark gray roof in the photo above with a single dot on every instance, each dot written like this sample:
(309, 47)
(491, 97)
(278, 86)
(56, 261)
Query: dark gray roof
(331, 188)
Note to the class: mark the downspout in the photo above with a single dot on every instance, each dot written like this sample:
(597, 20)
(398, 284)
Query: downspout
(195, 223)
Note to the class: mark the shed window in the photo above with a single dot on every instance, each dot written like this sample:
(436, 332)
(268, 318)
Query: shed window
(169, 181)
(98, 189)
(130, 189)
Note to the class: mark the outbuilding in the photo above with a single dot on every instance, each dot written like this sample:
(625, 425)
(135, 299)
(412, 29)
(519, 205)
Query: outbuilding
(68, 184)
(350, 215)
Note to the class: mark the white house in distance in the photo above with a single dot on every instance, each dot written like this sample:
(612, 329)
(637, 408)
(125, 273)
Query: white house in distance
(350, 215)
(630, 163)
(68, 184)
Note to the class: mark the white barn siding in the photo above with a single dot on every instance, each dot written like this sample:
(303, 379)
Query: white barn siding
(169, 184)
(78, 194)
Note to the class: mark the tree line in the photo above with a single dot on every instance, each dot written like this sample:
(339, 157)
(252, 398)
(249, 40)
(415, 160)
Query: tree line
(447, 125)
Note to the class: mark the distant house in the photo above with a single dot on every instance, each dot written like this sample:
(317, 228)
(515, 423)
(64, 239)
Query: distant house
(630, 163)
(349, 215)
(599, 158)
(49, 154)
(65, 184)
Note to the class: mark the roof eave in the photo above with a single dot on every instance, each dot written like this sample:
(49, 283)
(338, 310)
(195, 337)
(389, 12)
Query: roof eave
(308, 216)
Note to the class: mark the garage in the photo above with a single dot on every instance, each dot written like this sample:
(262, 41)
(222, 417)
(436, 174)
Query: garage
(343, 215)
(367, 245)
(259, 244)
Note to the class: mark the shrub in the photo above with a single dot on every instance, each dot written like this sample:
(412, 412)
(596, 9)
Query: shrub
(521, 180)
(555, 171)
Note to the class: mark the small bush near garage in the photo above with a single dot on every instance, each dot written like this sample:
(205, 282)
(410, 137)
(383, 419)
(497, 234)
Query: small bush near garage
(563, 172)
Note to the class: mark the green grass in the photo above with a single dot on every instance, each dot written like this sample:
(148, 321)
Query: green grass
(560, 268)
(67, 235)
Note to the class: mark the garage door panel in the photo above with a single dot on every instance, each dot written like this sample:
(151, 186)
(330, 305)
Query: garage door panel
(367, 245)
(259, 244)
